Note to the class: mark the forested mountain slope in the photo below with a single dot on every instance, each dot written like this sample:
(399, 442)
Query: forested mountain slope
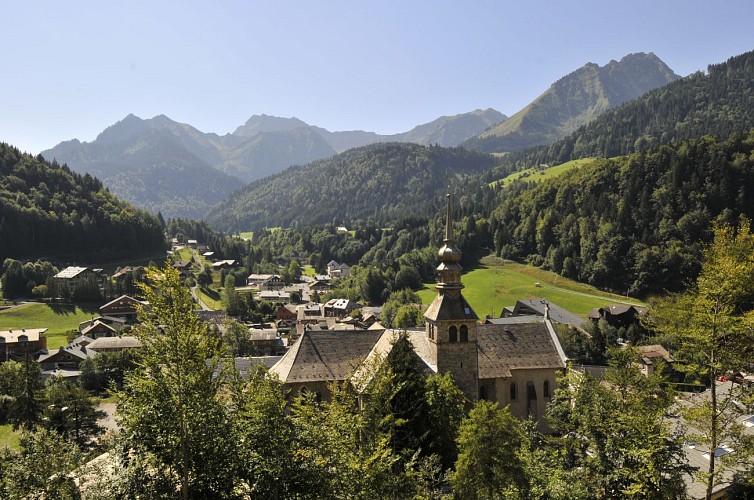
(48, 211)
(631, 224)
(381, 181)
(574, 100)
(719, 102)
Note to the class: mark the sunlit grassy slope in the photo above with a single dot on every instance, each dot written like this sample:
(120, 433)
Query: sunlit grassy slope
(58, 319)
(537, 175)
(495, 284)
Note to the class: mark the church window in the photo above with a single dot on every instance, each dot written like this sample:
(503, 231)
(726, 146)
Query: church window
(546, 389)
(453, 334)
(513, 391)
(464, 333)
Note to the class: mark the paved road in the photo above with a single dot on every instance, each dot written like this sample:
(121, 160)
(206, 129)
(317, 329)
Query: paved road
(108, 421)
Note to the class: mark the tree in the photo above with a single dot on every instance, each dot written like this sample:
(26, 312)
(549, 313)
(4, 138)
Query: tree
(41, 468)
(487, 465)
(71, 412)
(445, 412)
(26, 405)
(236, 339)
(712, 322)
(618, 431)
(171, 406)
(232, 301)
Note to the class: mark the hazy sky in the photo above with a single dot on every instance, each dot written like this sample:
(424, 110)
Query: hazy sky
(72, 68)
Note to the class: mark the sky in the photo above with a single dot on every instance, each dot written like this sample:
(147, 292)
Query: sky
(73, 68)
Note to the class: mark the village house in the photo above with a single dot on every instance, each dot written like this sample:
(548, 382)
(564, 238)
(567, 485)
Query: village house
(336, 270)
(617, 315)
(117, 324)
(17, 343)
(124, 307)
(339, 308)
(512, 364)
(265, 281)
(67, 357)
(224, 264)
(114, 344)
(267, 342)
(72, 276)
(98, 329)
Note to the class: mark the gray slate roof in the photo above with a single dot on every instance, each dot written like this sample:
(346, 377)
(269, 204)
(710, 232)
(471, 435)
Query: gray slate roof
(445, 307)
(325, 355)
(503, 348)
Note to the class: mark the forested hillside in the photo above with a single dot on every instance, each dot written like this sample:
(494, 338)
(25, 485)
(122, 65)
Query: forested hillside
(719, 102)
(48, 211)
(631, 224)
(574, 100)
(383, 182)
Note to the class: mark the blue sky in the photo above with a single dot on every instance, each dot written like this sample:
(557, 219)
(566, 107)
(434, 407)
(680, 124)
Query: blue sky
(73, 68)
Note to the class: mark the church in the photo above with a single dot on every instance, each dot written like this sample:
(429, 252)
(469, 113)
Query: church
(514, 363)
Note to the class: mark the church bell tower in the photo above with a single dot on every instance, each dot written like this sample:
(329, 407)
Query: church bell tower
(451, 324)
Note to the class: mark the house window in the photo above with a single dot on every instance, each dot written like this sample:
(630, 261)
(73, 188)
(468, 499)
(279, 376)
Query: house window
(432, 331)
(453, 334)
(464, 333)
(546, 389)
(513, 391)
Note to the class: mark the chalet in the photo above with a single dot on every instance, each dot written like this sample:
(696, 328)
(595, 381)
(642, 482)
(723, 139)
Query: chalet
(121, 273)
(208, 255)
(192, 243)
(67, 357)
(72, 276)
(265, 281)
(511, 364)
(20, 342)
(116, 323)
(275, 295)
(98, 329)
(267, 342)
(335, 270)
(286, 312)
(114, 344)
(123, 307)
(224, 264)
(339, 308)
(652, 356)
(618, 315)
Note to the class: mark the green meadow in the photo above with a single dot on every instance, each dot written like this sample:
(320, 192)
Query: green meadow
(8, 437)
(537, 175)
(494, 284)
(57, 318)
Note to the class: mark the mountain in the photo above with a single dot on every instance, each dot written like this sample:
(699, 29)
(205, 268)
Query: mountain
(718, 102)
(381, 181)
(157, 164)
(575, 100)
(173, 168)
(450, 131)
(48, 211)
(269, 152)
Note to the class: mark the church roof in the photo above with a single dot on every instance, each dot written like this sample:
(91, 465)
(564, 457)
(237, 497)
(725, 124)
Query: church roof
(325, 355)
(447, 307)
(507, 347)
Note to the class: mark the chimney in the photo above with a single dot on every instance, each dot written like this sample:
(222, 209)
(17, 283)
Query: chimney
(547, 311)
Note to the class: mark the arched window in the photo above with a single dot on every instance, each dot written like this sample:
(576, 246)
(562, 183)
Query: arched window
(483, 392)
(453, 334)
(513, 391)
(464, 333)
(546, 389)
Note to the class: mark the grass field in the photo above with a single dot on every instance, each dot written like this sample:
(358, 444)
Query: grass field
(212, 302)
(8, 437)
(493, 285)
(58, 319)
(536, 175)
(308, 270)
(247, 235)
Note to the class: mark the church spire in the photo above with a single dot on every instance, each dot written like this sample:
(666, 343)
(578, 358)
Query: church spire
(449, 269)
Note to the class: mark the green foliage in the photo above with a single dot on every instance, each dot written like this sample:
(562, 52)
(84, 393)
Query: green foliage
(487, 465)
(622, 442)
(71, 412)
(716, 103)
(40, 469)
(385, 182)
(631, 224)
(170, 407)
(46, 209)
(711, 322)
